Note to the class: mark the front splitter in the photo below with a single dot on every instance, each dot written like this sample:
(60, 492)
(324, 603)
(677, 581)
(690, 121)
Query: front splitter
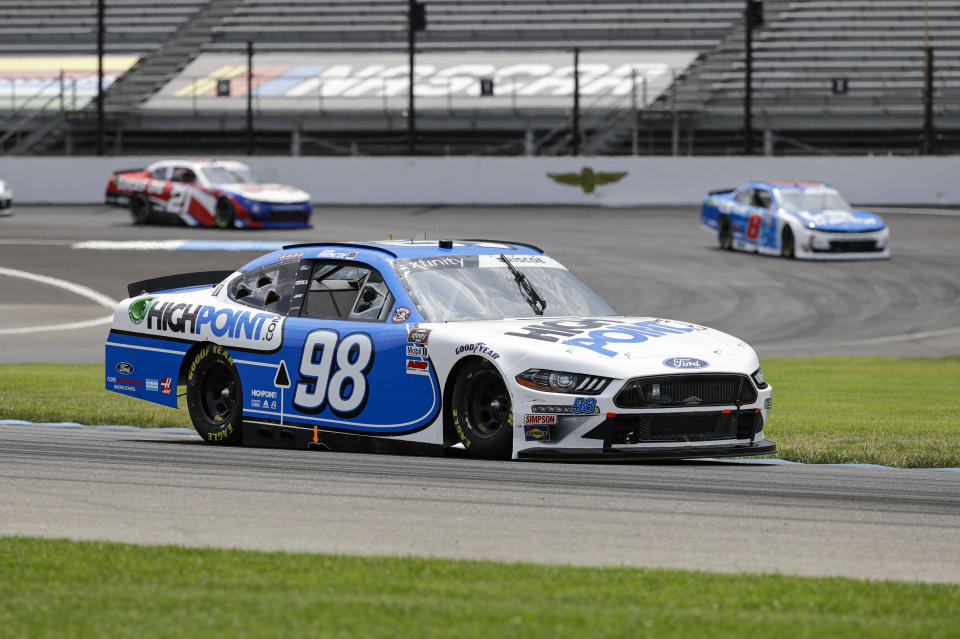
(762, 447)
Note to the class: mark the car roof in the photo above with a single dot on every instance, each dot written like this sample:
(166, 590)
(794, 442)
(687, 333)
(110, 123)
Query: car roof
(791, 184)
(200, 163)
(391, 250)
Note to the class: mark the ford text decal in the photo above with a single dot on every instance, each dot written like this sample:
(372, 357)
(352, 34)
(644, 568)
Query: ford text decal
(685, 362)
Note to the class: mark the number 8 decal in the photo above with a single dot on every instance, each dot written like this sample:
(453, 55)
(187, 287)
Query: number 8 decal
(334, 372)
(753, 226)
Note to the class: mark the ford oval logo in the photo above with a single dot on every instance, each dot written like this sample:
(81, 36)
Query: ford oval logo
(685, 362)
(124, 368)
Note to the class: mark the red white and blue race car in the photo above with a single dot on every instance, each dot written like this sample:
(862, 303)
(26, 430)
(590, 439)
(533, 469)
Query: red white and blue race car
(419, 346)
(809, 220)
(222, 193)
(6, 199)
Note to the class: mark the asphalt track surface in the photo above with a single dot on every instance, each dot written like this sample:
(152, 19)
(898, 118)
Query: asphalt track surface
(649, 261)
(158, 487)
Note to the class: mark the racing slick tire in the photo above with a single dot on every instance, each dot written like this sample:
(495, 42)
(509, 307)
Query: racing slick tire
(725, 234)
(225, 214)
(788, 245)
(482, 411)
(141, 210)
(215, 396)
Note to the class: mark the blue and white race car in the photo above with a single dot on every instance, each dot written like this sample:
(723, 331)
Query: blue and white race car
(420, 346)
(809, 220)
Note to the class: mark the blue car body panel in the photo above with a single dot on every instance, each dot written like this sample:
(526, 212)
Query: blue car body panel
(350, 376)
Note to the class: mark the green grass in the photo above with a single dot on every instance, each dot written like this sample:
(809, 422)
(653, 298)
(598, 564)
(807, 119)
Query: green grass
(56, 588)
(875, 410)
(894, 412)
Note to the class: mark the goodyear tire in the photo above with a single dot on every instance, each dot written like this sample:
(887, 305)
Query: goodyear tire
(482, 413)
(140, 209)
(225, 214)
(215, 396)
(788, 246)
(724, 234)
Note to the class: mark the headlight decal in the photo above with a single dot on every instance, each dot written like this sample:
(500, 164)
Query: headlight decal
(562, 381)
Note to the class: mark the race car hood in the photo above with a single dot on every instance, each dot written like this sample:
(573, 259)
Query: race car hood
(842, 221)
(608, 346)
(268, 193)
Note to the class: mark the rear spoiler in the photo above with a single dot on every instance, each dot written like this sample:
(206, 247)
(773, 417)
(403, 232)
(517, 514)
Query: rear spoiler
(184, 280)
(136, 170)
(719, 191)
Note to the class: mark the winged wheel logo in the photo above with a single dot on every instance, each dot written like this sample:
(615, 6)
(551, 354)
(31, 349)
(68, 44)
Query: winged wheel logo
(587, 178)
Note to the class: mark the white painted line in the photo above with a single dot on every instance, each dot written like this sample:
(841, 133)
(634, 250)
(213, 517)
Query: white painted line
(914, 211)
(36, 242)
(73, 287)
(56, 327)
(130, 245)
(906, 337)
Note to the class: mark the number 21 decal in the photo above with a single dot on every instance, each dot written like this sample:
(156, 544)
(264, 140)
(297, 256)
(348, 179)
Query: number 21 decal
(333, 372)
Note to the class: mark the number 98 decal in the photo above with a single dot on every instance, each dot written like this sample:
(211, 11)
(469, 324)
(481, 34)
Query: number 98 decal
(333, 372)
(584, 406)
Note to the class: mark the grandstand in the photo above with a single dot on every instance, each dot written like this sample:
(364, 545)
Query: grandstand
(689, 55)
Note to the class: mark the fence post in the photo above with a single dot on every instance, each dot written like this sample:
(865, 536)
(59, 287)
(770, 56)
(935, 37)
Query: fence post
(634, 132)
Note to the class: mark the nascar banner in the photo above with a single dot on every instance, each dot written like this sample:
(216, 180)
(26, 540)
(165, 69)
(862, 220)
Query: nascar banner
(380, 81)
(34, 81)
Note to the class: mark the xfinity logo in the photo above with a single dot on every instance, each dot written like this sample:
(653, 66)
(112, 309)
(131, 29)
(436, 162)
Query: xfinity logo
(124, 368)
(685, 362)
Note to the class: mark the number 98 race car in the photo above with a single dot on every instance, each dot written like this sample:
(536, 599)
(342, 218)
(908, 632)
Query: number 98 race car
(808, 220)
(222, 193)
(420, 346)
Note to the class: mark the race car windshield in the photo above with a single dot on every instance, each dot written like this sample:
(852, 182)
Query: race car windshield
(220, 175)
(481, 287)
(800, 200)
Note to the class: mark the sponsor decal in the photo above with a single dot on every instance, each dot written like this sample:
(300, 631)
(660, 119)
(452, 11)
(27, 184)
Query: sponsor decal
(400, 315)
(132, 382)
(416, 351)
(448, 261)
(211, 321)
(124, 387)
(415, 367)
(152, 385)
(536, 433)
(124, 368)
(599, 332)
(478, 348)
(166, 385)
(587, 179)
(284, 257)
(263, 393)
(684, 362)
(138, 309)
(254, 403)
(419, 336)
(111, 379)
(337, 255)
(539, 419)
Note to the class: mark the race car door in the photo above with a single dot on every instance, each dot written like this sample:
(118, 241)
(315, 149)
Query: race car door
(350, 368)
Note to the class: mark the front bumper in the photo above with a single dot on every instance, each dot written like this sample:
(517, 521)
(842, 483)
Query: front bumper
(761, 447)
(825, 245)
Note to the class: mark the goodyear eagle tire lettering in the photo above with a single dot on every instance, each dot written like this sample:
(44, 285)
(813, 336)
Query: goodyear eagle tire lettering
(482, 411)
(215, 396)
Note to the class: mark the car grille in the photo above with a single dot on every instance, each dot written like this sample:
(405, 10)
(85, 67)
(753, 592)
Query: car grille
(668, 391)
(850, 246)
(678, 427)
(287, 216)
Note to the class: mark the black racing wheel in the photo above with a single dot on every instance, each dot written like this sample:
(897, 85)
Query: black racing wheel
(215, 396)
(725, 234)
(482, 412)
(140, 209)
(225, 214)
(788, 246)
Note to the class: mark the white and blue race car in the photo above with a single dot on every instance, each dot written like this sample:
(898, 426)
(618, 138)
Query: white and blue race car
(809, 220)
(491, 346)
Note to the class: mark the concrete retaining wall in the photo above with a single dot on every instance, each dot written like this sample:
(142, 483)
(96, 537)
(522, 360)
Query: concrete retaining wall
(492, 181)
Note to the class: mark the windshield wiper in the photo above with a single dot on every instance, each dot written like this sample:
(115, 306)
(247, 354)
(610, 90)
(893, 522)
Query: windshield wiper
(537, 303)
